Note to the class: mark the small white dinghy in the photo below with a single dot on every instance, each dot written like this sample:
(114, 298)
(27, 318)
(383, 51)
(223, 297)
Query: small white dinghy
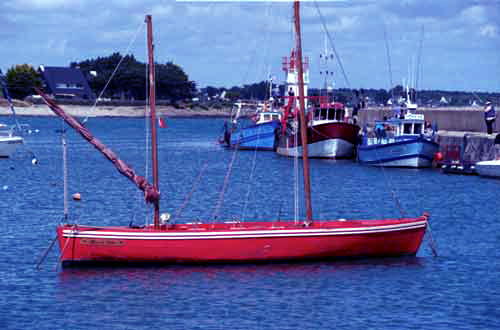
(489, 168)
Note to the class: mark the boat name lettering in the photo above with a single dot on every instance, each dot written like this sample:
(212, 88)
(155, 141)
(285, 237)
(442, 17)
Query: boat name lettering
(101, 241)
(414, 116)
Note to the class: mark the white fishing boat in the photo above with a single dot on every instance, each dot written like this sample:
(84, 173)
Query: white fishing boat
(9, 141)
(489, 168)
(10, 136)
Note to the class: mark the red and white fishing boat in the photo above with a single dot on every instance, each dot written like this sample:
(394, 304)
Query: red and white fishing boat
(164, 242)
(329, 132)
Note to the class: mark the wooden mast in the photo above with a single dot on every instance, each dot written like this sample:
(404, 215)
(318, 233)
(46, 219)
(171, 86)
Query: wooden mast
(152, 101)
(303, 124)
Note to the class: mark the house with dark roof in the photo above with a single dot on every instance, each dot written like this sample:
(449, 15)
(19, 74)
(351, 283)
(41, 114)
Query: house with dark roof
(65, 83)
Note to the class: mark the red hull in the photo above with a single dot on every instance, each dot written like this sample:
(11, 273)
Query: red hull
(339, 130)
(241, 242)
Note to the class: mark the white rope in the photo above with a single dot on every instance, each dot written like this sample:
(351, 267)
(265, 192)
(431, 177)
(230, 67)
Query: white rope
(220, 201)
(141, 26)
(250, 179)
(194, 187)
(391, 187)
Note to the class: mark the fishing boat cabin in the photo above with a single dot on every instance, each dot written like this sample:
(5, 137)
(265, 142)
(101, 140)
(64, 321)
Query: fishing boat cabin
(328, 112)
(264, 117)
(408, 126)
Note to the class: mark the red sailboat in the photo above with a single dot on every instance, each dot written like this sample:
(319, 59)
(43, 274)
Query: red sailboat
(229, 242)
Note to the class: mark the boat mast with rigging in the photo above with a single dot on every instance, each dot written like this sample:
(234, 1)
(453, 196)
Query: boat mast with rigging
(303, 124)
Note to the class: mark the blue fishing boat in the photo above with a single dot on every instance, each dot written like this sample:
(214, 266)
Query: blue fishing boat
(262, 134)
(402, 141)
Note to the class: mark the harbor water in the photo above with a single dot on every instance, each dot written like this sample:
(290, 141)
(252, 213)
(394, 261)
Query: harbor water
(458, 289)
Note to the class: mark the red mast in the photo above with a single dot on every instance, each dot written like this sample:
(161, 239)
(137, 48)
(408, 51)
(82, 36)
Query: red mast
(152, 101)
(303, 124)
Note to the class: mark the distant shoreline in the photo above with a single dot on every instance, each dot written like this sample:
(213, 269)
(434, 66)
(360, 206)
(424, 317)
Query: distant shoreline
(462, 119)
(114, 111)
(26, 109)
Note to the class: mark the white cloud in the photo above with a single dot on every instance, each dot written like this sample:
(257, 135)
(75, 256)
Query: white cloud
(57, 46)
(474, 15)
(488, 30)
(43, 4)
(161, 10)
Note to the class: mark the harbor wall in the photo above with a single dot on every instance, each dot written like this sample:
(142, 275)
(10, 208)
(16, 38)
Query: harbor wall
(468, 147)
(463, 119)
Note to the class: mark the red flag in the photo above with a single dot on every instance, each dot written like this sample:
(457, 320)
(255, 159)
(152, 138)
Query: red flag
(162, 122)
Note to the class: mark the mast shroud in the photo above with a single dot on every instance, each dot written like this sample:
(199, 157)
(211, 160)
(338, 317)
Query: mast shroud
(152, 98)
(303, 124)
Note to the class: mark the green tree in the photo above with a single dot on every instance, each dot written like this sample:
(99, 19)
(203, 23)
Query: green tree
(128, 82)
(21, 79)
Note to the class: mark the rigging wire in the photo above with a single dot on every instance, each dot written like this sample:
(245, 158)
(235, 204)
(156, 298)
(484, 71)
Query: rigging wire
(139, 29)
(78, 182)
(296, 170)
(391, 187)
(220, 200)
(389, 62)
(250, 180)
(322, 19)
(419, 58)
(193, 189)
(254, 159)
(295, 131)
(147, 123)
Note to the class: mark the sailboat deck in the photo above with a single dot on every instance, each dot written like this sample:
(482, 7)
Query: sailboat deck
(288, 226)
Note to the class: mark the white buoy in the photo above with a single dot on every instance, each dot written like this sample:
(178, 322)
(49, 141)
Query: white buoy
(164, 217)
(34, 161)
(76, 196)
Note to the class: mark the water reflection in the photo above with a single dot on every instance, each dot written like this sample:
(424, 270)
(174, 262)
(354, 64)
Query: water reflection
(175, 273)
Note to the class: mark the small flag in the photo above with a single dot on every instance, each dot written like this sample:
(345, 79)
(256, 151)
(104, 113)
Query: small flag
(161, 122)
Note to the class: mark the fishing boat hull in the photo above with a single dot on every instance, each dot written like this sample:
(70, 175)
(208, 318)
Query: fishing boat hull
(417, 152)
(241, 242)
(255, 137)
(332, 140)
(8, 145)
(488, 168)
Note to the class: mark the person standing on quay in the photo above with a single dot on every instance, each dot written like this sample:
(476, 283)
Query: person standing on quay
(489, 116)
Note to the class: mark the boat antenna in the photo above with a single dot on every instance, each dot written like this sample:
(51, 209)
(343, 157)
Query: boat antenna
(391, 86)
(337, 57)
(303, 124)
(152, 105)
(419, 59)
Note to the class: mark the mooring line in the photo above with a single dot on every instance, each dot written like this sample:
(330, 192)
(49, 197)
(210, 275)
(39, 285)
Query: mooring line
(432, 243)
(44, 255)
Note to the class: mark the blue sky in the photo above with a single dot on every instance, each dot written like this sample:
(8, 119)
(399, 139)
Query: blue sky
(226, 43)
